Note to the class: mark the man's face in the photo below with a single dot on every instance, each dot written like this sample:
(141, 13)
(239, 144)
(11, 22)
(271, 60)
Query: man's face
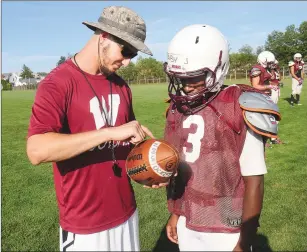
(115, 53)
(191, 86)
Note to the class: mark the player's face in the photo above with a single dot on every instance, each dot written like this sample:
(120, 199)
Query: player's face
(298, 59)
(115, 54)
(192, 86)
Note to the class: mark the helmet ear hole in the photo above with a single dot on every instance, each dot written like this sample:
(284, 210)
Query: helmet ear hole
(197, 40)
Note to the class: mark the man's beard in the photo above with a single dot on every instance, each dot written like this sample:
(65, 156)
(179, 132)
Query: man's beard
(102, 62)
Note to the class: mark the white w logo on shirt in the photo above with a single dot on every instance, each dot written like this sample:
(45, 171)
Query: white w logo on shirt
(99, 115)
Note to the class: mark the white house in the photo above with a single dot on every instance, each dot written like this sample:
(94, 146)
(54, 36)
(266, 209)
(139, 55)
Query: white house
(15, 79)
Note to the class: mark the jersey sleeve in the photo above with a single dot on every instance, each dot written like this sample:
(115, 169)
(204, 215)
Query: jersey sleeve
(252, 161)
(48, 110)
(291, 63)
(255, 72)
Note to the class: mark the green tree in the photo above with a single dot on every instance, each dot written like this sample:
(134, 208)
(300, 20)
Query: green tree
(26, 72)
(259, 49)
(149, 67)
(5, 85)
(128, 73)
(285, 44)
(61, 60)
(243, 59)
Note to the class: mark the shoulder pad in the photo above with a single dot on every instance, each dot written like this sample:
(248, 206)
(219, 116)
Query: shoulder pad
(260, 113)
(255, 72)
(303, 62)
(261, 123)
(291, 63)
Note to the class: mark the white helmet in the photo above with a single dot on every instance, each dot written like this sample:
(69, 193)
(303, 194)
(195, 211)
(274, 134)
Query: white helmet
(266, 59)
(297, 57)
(197, 50)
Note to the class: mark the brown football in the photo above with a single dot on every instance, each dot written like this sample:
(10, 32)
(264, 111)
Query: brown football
(151, 162)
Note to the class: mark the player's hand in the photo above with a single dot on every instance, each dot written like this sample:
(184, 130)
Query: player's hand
(274, 87)
(171, 228)
(132, 131)
(156, 186)
(237, 248)
(300, 82)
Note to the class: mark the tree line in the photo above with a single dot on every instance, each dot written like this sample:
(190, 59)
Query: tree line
(284, 44)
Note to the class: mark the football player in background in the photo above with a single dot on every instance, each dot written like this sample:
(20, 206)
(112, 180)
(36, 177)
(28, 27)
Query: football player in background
(260, 74)
(297, 74)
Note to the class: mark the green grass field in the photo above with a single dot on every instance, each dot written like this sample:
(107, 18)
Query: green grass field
(29, 210)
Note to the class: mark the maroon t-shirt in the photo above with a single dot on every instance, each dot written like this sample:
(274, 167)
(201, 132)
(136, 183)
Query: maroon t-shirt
(91, 198)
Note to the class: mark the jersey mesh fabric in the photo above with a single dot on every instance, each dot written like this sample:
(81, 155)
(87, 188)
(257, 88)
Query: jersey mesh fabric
(209, 191)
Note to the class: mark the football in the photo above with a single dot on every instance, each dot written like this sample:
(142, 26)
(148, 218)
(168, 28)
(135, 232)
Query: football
(152, 162)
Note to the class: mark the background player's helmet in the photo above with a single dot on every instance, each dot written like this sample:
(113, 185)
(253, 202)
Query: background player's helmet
(297, 57)
(275, 64)
(198, 50)
(266, 59)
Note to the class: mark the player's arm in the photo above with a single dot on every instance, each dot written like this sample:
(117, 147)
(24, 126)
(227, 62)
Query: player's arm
(45, 141)
(255, 80)
(54, 147)
(253, 168)
(260, 116)
(256, 84)
(293, 74)
(252, 206)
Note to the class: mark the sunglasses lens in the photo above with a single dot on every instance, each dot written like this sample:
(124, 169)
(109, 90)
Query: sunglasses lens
(127, 53)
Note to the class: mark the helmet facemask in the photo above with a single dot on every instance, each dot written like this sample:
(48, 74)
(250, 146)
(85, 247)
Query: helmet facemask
(192, 103)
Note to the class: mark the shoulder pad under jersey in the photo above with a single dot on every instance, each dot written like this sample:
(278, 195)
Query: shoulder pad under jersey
(291, 63)
(260, 113)
(303, 63)
(255, 72)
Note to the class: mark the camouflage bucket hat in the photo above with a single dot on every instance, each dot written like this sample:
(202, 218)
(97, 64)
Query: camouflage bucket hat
(123, 23)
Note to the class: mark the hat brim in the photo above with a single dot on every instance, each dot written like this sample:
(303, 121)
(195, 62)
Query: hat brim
(137, 44)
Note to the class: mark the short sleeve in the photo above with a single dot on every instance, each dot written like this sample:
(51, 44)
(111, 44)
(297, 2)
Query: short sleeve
(252, 160)
(48, 110)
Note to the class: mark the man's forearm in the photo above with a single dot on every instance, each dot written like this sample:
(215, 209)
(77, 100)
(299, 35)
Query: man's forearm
(54, 147)
(252, 205)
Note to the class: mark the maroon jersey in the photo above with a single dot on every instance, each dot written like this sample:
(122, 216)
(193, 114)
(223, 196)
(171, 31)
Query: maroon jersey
(298, 68)
(91, 198)
(259, 70)
(275, 76)
(209, 188)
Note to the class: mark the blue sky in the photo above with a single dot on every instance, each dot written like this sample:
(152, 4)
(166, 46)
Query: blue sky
(38, 33)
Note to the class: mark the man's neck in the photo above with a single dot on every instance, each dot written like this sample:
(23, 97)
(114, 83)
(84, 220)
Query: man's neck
(86, 62)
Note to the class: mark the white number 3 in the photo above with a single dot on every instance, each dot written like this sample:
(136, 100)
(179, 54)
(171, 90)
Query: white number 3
(194, 138)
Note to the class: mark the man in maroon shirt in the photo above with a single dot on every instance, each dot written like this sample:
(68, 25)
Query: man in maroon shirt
(83, 122)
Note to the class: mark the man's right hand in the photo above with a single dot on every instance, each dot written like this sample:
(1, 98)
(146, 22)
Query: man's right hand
(171, 228)
(132, 131)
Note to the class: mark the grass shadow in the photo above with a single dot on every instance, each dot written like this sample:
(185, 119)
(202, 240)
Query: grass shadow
(261, 244)
(288, 99)
(164, 244)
